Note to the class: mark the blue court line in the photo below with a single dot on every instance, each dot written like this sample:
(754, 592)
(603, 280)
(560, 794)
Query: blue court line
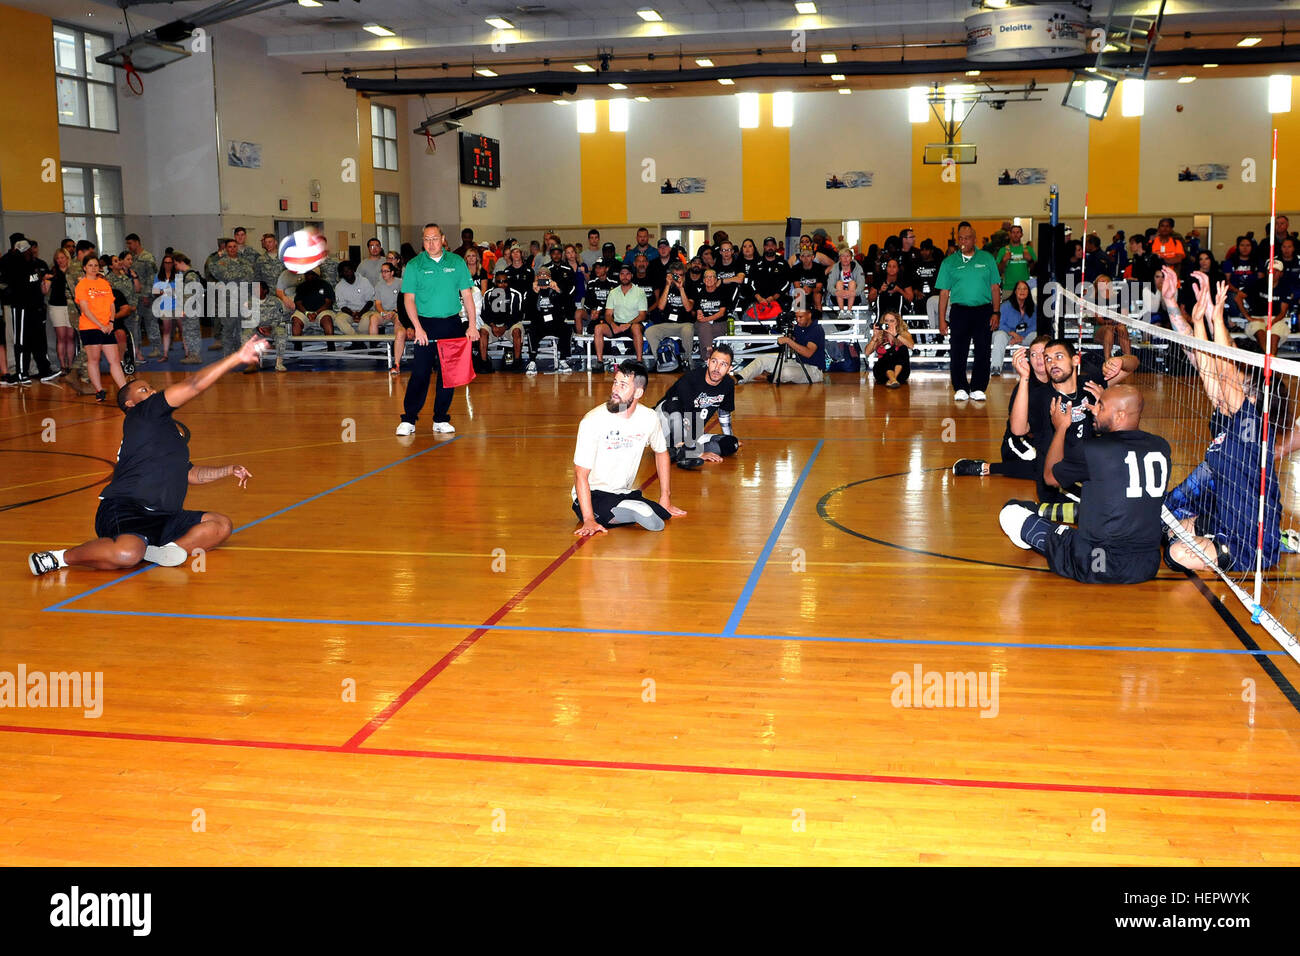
(747, 592)
(615, 632)
(243, 527)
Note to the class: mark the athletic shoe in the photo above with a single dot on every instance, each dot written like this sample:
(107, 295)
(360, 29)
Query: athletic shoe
(1291, 541)
(406, 428)
(53, 376)
(845, 314)
(893, 385)
(42, 562)
(965, 467)
(170, 555)
(977, 396)
(191, 360)
(690, 464)
(611, 365)
(1012, 519)
(564, 368)
(101, 396)
(24, 381)
(960, 395)
(279, 366)
(443, 428)
(532, 369)
(8, 380)
(216, 347)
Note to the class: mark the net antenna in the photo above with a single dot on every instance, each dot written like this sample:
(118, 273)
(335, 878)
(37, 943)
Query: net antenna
(1268, 368)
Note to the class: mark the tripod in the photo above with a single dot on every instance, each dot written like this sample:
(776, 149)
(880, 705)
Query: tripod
(788, 353)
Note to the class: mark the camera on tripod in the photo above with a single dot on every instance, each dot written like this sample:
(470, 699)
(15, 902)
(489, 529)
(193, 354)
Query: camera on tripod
(784, 323)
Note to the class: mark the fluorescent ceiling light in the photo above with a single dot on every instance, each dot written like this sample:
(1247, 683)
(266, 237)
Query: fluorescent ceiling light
(584, 68)
(484, 71)
(1187, 79)
(783, 109)
(649, 16)
(641, 99)
(1132, 98)
(726, 82)
(378, 30)
(972, 72)
(618, 115)
(838, 77)
(1279, 94)
(996, 4)
(704, 61)
(1209, 66)
(844, 91)
(310, 3)
(617, 86)
(748, 103)
(561, 102)
(1249, 41)
(501, 23)
(805, 8)
(830, 58)
(586, 116)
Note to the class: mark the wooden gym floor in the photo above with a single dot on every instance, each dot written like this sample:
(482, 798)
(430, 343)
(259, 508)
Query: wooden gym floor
(719, 693)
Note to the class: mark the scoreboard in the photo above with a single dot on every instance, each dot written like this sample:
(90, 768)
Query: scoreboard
(480, 161)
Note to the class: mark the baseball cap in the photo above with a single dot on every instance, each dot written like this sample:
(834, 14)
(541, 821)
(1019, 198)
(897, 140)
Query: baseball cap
(1277, 264)
(664, 242)
(626, 267)
(608, 249)
(820, 234)
(771, 239)
(22, 245)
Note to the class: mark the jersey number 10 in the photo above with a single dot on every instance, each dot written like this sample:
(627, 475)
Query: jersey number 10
(1151, 463)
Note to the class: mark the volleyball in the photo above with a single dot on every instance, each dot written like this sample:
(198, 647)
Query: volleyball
(303, 251)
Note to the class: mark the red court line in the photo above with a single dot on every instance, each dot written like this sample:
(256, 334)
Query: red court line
(701, 769)
(405, 696)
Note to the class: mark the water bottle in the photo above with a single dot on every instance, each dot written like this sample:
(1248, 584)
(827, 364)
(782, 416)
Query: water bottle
(731, 324)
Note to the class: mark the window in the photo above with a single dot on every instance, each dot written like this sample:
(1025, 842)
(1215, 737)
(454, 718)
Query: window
(86, 93)
(383, 136)
(388, 220)
(92, 207)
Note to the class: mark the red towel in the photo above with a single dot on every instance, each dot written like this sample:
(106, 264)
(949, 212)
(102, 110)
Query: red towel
(455, 357)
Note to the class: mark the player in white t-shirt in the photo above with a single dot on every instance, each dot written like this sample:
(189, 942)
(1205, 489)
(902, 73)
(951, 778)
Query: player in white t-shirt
(611, 439)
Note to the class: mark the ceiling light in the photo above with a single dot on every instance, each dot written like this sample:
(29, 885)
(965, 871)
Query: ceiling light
(725, 82)
(830, 58)
(617, 86)
(1249, 41)
(837, 77)
(484, 71)
(584, 68)
(649, 16)
(1187, 79)
(805, 8)
(561, 102)
(501, 23)
(996, 4)
(310, 3)
(704, 61)
(379, 31)
(1110, 48)
(1209, 66)
(972, 72)
(844, 91)
(641, 99)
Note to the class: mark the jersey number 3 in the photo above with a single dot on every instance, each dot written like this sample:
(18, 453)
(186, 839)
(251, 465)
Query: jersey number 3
(1156, 467)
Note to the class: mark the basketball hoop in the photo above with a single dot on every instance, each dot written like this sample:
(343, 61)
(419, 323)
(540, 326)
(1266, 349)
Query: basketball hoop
(134, 81)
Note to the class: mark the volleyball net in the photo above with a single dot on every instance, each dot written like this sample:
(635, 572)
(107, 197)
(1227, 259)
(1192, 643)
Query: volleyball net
(1229, 413)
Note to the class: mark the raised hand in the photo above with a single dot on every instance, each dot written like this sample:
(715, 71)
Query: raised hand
(1020, 362)
(1061, 413)
(241, 475)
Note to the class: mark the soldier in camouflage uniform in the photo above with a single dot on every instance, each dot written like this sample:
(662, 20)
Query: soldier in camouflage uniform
(208, 263)
(187, 307)
(120, 276)
(269, 265)
(272, 316)
(232, 297)
(246, 252)
(146, 268)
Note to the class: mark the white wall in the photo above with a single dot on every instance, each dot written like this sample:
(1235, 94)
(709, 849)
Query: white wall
(693, 136)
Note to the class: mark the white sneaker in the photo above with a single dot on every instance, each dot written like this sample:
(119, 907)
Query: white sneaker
(960, 395)
(444, 428)
(405, 428)
(532, 369)
(169, 555)
(564, 368)
(978, 396)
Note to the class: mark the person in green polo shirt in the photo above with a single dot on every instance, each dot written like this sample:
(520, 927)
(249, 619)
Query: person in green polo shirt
(1016, 260)
(969, 280)
(436, 287)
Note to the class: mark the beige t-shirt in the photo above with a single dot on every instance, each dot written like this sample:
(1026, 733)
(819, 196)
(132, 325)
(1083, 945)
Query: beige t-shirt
(611, 446)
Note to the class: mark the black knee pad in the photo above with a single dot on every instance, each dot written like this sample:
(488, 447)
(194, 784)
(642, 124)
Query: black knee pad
(727, 445)
(1170, 563)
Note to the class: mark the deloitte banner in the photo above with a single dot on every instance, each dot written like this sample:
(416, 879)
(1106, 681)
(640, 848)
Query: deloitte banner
(1026, 33)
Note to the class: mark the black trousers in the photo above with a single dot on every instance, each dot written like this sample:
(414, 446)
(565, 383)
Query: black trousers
(892, 359)
(560, 326)
(29, 340)
(969, 324)
(423, 367)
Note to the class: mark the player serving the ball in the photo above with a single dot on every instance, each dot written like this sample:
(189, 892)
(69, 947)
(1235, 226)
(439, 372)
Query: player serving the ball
(142, 514)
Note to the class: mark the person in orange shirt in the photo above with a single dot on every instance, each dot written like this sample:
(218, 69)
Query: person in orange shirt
(1168, 246)
(94, 297)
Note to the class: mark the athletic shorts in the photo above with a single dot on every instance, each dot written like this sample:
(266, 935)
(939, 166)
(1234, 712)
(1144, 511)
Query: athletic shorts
(1071, 555)
(96, 337)
(118, 516)
(1281, 330)
(603, 504)
(59, 316)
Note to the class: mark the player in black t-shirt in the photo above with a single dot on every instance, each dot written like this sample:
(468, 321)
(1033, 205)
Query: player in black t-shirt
(1123, 473)
(769, 278)
(141, 514)
(808, 278)
(518, 274)
(714, 303)
(593, 303)
(689, 404)
(1019, 454)
(549, 312)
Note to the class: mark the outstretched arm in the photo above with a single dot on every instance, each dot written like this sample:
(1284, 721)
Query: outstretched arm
(182, 392)
(202, 474)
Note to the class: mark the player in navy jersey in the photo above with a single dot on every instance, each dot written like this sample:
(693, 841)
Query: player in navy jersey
(1243, 277)
(691, 402)
(1218, 503)
(1123, 473)
(141, 515)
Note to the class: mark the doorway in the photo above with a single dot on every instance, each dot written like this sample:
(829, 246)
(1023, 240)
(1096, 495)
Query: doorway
(691, 237)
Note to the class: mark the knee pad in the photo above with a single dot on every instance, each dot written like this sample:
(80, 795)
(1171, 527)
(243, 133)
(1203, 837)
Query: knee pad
(1012, 519)
(1170, 563)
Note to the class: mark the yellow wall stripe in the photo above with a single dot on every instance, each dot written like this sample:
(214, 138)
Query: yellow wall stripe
(31, 132)
(365, 160)
(1114, 160)
(765, 167)
(932, 197)
(1288, 155)
(603, 159)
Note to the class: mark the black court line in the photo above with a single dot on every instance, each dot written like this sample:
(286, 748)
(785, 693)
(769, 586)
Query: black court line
(61, 494)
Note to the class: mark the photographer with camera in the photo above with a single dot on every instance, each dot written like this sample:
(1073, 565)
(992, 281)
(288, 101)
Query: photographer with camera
(892, 343)
(676, 311)
(805, 339)
(549, 310)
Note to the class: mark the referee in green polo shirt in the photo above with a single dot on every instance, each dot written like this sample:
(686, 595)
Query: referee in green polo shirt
(969, 278)
(435, 286)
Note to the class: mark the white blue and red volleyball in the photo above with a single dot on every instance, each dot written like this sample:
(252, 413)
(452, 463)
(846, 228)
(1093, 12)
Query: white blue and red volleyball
(303, 251)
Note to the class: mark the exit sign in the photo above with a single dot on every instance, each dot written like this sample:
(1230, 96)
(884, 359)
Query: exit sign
(683, 214)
